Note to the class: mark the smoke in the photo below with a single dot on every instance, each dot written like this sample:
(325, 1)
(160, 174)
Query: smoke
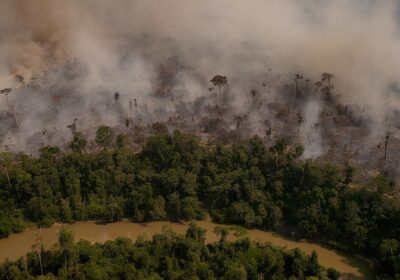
(65, 59)
(310, 130)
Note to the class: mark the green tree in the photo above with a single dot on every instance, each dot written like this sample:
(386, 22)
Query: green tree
(104, 136)
(235, 272)
(313, 269)
(122, 141)
(333, 273)
(222, 232)
(78, 143)
(196, 233)
(388, 248)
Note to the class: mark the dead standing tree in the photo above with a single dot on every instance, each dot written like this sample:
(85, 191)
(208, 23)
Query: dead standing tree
(219, 81)
(327, 80)
(72, 126)
(6, 91)
(4, 169)
(38, 248)
(13, 112)
(296, 79)
(10, 105)
(116, 96)
(254, 97)
(387, 137)
(5, 162)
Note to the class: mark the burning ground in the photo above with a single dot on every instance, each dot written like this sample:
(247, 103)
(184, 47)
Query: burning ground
(323, 74)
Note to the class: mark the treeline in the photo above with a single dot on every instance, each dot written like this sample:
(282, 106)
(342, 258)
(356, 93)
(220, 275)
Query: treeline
(166, 256)
(177, 178)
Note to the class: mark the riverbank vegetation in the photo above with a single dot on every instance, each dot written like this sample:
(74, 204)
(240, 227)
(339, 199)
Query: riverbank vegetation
(177, 178)
(166, 256)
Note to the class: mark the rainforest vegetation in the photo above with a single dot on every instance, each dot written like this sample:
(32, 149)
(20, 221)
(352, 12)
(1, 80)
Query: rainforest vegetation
(177, 177)
(166, 256)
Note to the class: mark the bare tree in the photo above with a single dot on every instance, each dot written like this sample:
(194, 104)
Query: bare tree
(296, 79)
(327, 79)
(10, 105)
(13, 112)
(386, 141)
(72, 126)
(116, 96)
(5, 171)
(37, 248)
(219, 81)
(5, 91)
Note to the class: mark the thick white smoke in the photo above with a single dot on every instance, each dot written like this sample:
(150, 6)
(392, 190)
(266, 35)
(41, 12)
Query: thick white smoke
(65, 59)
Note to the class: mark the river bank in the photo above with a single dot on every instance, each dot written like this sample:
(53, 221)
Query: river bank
(17, 245)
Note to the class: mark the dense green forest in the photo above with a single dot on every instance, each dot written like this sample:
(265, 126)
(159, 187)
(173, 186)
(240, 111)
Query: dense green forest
(178, 178)
(167, 256)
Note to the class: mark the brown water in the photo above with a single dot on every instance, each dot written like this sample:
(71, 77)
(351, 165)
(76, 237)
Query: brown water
(17, 245)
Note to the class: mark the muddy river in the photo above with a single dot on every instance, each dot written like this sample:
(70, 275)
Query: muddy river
(16, 245)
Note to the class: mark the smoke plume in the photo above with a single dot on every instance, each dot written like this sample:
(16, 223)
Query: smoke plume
(65, 60)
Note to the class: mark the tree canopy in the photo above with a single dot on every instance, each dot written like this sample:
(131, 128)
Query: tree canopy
(166, 256)
(176, 177)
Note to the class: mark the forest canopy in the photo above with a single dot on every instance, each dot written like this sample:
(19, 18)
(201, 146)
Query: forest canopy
(178, 178)
(166, 256)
